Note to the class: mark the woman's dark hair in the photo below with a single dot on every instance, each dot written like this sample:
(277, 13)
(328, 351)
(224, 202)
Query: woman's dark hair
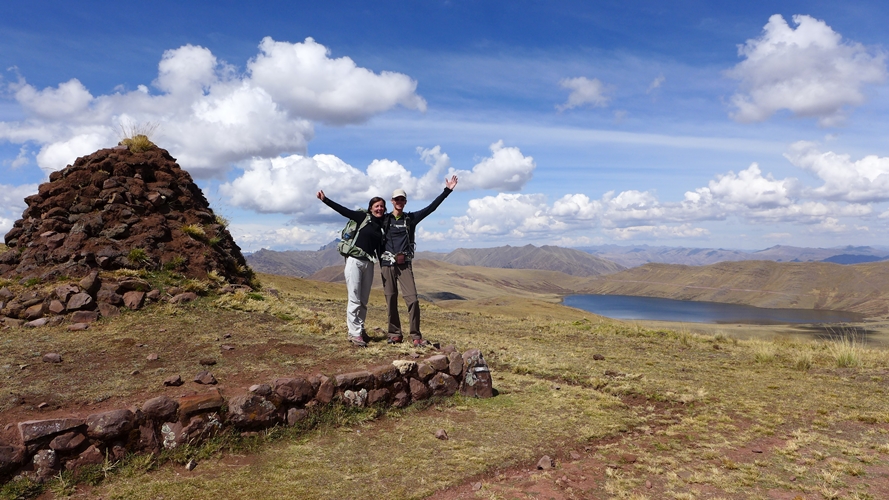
(373, 201)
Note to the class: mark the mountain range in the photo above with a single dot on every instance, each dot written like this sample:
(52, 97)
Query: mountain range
(632, 256)
(584, 261)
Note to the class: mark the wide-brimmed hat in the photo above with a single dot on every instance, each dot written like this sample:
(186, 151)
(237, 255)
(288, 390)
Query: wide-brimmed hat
(399, 192)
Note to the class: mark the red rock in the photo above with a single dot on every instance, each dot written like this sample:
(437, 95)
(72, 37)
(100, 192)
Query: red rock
(205, 378)
(85, 317)
(56, 307)
(108, 311)
(295, 390)
(33, 430)
(419, 391)
(34, 312)
(133, 300)
(201, 402)
(110, 424)
(52, 357)
(183, 297)
(79, 301)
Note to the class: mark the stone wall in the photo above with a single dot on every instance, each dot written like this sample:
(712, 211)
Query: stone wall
(49, 446)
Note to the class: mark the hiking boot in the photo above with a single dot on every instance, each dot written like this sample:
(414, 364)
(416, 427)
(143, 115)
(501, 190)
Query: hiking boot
(357, 341)
(395, 339)
(365, 337)
(421, 343)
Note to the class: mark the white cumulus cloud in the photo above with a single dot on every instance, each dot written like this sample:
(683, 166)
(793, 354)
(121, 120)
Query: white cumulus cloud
(211, 116)
(288, 184)
(862, 181)
(12, 204)
(506, 214)
(507, 169)
(251, 237)
(808, 70)
(310, 84)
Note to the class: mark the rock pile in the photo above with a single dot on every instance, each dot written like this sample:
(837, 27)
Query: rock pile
(83, 303)
(118, 209)
(67, 443)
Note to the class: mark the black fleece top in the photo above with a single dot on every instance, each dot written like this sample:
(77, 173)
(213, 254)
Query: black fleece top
(371, 237)
(400, 232)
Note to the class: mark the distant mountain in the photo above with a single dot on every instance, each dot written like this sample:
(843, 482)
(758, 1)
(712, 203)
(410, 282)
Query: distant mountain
(299, 263)
(546, 258)
(852, 259)
(632, 256)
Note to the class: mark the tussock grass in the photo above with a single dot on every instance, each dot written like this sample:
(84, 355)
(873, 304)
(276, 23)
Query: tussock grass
(846, 349)
(137, 136)
(196, 231)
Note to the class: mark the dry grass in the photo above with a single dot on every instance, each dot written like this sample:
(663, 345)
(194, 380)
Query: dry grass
(688, 407)
(137, 136)
(196, 231)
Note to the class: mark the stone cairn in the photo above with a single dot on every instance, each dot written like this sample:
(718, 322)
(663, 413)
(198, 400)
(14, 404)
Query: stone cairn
(114, 209)
(118, 209)
(68, 443)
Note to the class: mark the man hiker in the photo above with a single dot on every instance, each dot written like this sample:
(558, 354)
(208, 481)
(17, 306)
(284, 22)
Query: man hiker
(395, 263)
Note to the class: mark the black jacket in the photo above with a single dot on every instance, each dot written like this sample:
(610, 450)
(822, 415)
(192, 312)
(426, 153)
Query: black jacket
(400, 232)
(371, 237)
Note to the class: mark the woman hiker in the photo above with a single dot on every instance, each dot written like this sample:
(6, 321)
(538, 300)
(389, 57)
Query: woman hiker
(359, 270)
(395, 263)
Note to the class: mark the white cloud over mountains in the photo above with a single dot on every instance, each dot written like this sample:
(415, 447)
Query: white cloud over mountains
(808, 70)
(288, 184)
(211, 115)
(848, 189)
(862, 181)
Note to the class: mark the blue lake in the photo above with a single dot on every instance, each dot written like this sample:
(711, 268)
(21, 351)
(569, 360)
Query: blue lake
(655, 309)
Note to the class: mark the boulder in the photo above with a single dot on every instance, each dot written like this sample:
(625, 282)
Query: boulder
(133, 300)
(34, 430)
(110, 424)
(161, 409)
(295, 390)
(80, 301)
(252, 411)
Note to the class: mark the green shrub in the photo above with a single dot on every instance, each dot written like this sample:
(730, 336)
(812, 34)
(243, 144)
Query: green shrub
(175, 263)
(139, 257)
(222, 221)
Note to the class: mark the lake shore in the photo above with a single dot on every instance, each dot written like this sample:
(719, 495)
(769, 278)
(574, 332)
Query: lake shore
(874, 332)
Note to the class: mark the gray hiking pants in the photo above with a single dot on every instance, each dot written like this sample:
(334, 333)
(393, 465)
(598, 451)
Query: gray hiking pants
(401, 275)
(359, 278)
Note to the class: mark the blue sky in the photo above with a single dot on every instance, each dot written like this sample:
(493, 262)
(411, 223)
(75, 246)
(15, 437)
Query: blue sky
(568, 123)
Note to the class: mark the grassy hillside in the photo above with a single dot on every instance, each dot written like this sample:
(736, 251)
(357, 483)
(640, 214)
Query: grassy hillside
(626, 412)
(862, 288)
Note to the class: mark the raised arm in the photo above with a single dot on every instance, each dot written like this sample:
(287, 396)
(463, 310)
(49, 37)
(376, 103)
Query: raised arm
(421, 214)
(355, 215)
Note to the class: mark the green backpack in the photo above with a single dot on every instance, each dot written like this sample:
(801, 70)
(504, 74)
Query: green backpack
(349, 234)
